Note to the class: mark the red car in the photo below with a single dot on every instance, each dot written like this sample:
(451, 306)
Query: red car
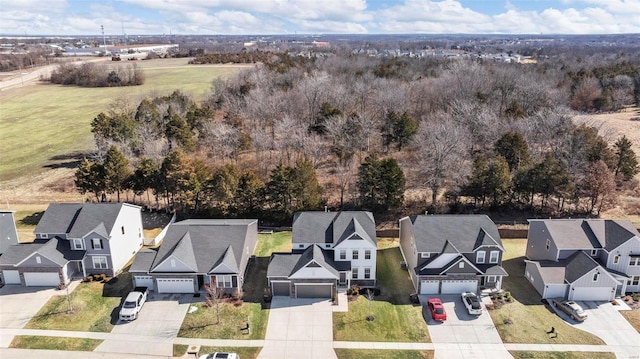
(437, 309)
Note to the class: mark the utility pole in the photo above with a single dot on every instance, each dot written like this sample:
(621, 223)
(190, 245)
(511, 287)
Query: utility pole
(104, 41)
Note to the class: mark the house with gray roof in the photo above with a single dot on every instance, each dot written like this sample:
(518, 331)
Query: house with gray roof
(450, 254)
(8, 230)
(198, 252)
(329, 250)
(583, 259)
(75, 240)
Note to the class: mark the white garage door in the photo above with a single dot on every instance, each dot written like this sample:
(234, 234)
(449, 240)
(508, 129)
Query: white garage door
(11, 276)
(41, 279)
(459, 286)
(175, 285)
(595, 293)
(429, 286)
(143, 281)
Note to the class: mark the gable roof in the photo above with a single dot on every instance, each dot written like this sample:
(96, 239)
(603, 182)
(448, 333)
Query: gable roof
(143, 260)
(333, 227)
(56, 250)
(589, 233)
(204, 243)
(286, 264)
(58, 218)
(577, 265)
(462, 233)
(228, 260)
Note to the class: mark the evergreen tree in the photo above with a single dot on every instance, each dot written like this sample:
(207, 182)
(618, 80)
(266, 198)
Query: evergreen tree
(306, 190)
(513, 147)
(116, 171)
(247, 201)
(178, 130)
(89, 177)
(626, 161)
(144, 177)
(380, 183)
(398, 129)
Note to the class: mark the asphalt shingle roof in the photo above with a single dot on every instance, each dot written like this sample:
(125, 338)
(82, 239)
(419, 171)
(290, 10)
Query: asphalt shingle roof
(332, 227)
(589, 233)
(58, 218)
(8, 233)
(454, 233)
(286, 264)
(55, 249)
(143, 260)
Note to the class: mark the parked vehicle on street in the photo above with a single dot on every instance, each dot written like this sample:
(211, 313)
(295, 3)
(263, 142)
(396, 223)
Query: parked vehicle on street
(133, 303)
(573, 309)
(472, 303)
(219, 355)
(437, 309)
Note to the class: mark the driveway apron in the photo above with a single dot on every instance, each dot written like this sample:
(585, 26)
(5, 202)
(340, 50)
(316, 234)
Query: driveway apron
(299, 328)
(154, 330)
(461, 327)
(607, 323)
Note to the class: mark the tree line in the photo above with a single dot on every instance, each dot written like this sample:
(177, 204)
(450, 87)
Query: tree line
(92, 75)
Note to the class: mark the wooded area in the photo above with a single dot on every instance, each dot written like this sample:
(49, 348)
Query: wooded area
(351, 131)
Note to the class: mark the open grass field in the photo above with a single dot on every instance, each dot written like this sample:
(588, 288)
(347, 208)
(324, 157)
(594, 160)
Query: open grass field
(92, 312)
(383, 354)
(531, 319)
(54, 343)
(270, 243)
(561, 355)
(49, 125)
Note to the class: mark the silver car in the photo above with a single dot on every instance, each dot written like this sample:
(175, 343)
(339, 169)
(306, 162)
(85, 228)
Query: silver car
(573, 309)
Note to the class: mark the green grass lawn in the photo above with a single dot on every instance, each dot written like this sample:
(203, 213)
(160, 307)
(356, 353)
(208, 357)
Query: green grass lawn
(561, 355)
(48, 125)
(395, 319)
(54, 343)
(243, 352)
(530, 318)
(383, 354)
(275, 242)
(95, 308)
(203, 322)
(255, 287)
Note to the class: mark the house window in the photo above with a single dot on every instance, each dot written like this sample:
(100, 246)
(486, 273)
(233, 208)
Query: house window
(38, 259)
(595, 276)
(99, 262)
(328, 245)
(635, 280)
(343, 254)
(494, 256)
(616, 259)
(548, 243)
(354, 273)
(354, 254)
(77, 244)
(122, 229)
(461, 265)
(300, 245)
(425, 254)
(173, 263)
(480, 256)
(44, 235)
(634, 261)
(96, 243)
(491, 279)
(367, 254)
(367, 273)
(594, 252)
(223, 281)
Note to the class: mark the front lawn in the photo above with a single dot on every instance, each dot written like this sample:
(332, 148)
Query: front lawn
(561, 355)
(633, 317)
(54, 343)
(383, 354)
(243, 352)
(203, 322)
(91, 311)
(529, 319)
(274, 242)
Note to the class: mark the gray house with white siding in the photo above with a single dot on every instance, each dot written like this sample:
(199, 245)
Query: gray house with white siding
(583, 259)
(75, 240)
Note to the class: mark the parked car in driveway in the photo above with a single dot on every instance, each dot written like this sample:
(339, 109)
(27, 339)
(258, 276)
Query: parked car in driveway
(472, 303)
(219, 355)
(133, 304)
(573, 309)
(437, 309)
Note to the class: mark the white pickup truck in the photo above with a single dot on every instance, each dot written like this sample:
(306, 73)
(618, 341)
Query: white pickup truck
(133, 303)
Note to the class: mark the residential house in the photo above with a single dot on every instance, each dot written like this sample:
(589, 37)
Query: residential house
(198, 252)
(75, 240)
(450, 254)
(8, 230)
(583, 259)
(329, 249)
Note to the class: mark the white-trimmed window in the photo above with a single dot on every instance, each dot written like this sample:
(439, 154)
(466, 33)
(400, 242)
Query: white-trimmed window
(354, 273)
(343, 254)
(635, 280)
(367, 254)
(480, 257)
(77, 244)
(354, 254)
(595, 276)
(99, 262)
(173, 263)
(224, 281)
(38, 259)
(367, 273)
(494, 256)
(594, 252)
(634, 261)
(461, 265)
(425, 255)
(96, 243)
(616, 259)
(300, 245)
(44, 235)
(491, 279)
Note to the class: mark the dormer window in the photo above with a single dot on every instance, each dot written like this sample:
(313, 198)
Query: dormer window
(494, 256)
(594, 252)
(77, 244)
(480, 257)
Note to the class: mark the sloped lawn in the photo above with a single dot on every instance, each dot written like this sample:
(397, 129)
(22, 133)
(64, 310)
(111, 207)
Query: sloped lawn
(274, 242)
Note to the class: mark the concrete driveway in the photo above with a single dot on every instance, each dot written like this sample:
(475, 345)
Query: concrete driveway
(461, 327)
(19, 304)
(299, 328)
(607, 323)
(154, 330)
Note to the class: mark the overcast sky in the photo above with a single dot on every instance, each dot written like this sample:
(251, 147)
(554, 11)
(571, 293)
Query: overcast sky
(142, 17)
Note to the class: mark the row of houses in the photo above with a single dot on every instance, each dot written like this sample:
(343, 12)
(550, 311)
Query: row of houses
(579, 259)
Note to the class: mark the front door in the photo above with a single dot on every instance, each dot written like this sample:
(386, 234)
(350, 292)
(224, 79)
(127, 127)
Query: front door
(343, 278)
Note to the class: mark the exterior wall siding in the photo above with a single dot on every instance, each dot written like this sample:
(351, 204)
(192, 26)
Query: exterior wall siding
(534, 277)
(249, 246)
(44, 262)
(630, 247)
(410, 256)
(536, 243)
(604, 279)
(124, 246)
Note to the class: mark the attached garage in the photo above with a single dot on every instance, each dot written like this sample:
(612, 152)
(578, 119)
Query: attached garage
(429, 286)
(315, 290)
(458, 286)
(175, 285)
(11, 276)
(592, 293)
(281, 288)
(143, 281)
(41, 279)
